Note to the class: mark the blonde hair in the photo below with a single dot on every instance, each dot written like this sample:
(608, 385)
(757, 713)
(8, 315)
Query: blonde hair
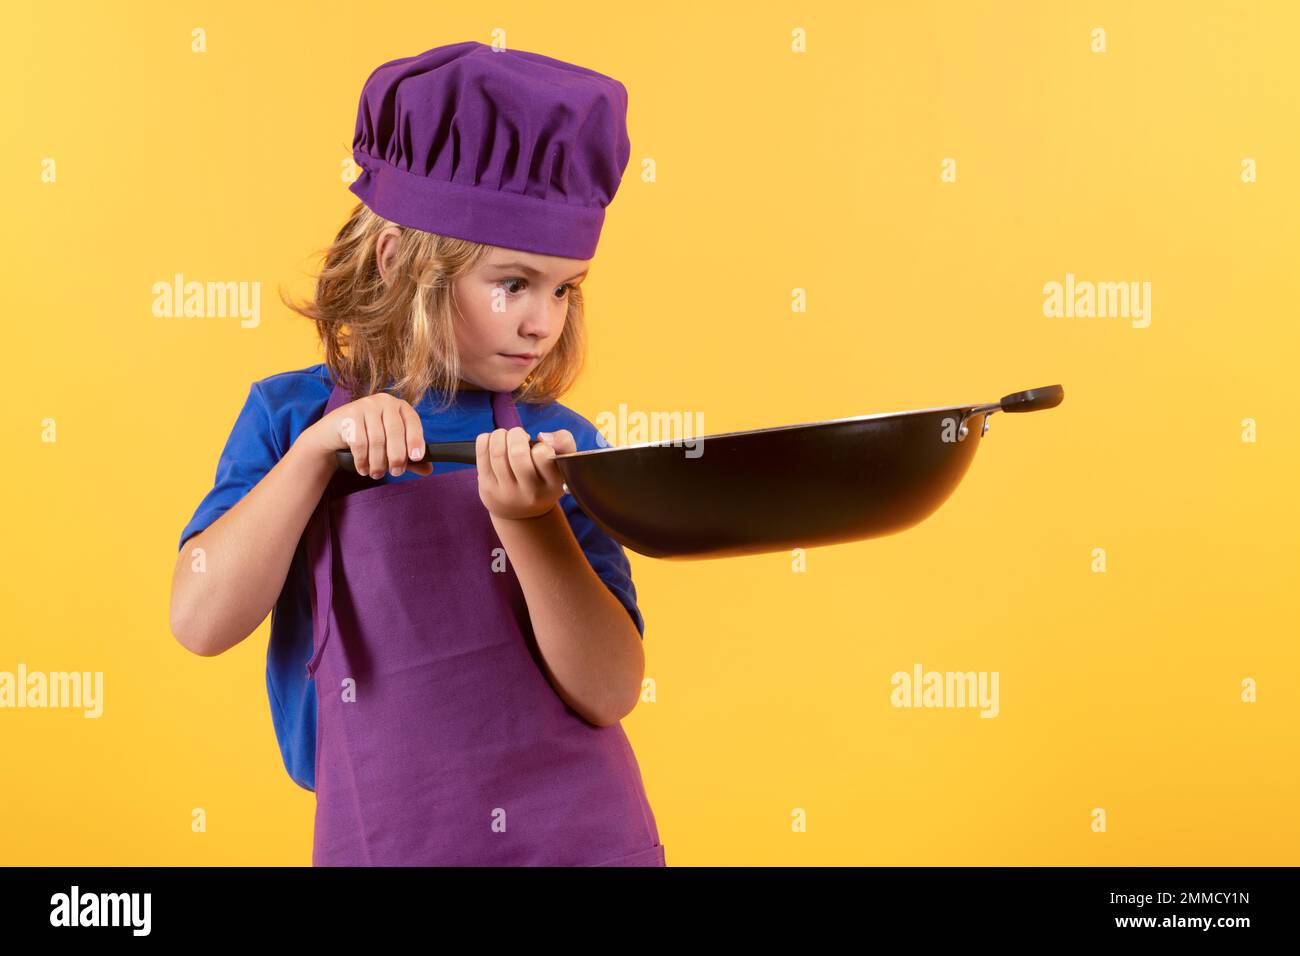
(402, 332)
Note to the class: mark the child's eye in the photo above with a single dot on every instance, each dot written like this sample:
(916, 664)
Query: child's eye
(513, 279)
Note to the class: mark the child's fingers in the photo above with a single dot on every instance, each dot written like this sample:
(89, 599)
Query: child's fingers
(414, 432)
(394, 439)
(353, 432)
(414, 446)
(559, 442)
(395, 447)
(376, 443)
(485, 472)
(384, 432)
(519, 454)
(347, 433)
(498, 460)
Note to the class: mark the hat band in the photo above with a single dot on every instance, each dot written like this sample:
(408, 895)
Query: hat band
(478, 213)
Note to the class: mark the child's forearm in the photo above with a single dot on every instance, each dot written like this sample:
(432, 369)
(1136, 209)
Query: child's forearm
(220, 596)
(590, 645)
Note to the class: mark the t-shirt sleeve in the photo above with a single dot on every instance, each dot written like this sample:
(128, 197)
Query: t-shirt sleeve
(250, 452)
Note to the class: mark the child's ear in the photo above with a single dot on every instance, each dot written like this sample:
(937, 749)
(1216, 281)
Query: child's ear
(386, 247)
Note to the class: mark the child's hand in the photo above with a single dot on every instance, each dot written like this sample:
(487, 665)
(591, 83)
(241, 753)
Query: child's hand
(516, 480)
(382, 431)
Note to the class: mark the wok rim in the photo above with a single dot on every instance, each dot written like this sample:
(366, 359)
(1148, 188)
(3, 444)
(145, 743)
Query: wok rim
(760, 431)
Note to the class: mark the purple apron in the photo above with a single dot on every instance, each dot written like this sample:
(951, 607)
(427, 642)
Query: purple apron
(439, 740)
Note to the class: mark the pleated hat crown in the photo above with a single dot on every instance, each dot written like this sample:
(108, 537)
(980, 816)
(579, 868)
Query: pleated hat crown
(503, 147)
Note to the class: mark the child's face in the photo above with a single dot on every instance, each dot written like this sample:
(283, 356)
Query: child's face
(511, 303)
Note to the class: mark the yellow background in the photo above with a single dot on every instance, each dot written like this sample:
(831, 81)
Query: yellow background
(775, 171)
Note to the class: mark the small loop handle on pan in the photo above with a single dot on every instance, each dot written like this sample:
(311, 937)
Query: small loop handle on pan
(1030, 400)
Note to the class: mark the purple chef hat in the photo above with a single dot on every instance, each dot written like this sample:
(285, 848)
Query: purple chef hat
(507, 148)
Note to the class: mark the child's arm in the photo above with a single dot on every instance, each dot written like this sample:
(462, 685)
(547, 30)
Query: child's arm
(219, 601)
(591, 649)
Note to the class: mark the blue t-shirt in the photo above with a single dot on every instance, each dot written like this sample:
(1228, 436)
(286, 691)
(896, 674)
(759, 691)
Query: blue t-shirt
(276, 412)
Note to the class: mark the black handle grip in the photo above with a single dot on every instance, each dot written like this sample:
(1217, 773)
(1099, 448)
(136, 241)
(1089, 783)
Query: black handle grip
(1033, 400)
(464, 452)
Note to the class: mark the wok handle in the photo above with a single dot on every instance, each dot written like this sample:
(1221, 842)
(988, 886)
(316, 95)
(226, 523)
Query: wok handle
(464, 452)
(1030, 400)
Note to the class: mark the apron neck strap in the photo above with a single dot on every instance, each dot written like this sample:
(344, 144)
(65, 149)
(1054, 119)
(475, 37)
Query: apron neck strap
(504, 413)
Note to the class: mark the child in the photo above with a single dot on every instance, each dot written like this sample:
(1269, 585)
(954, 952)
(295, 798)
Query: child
(452, 646)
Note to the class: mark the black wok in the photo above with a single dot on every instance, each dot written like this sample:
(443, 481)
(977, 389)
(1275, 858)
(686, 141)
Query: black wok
(773, 489)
